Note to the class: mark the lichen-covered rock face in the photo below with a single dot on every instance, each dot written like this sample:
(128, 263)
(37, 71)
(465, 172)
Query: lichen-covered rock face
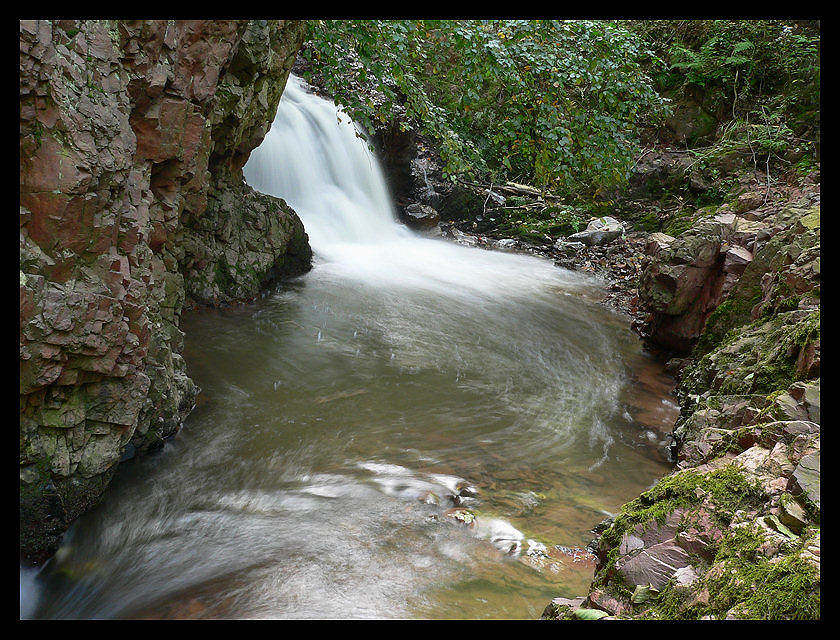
(133, 135)
(735, 531)
(729, 269)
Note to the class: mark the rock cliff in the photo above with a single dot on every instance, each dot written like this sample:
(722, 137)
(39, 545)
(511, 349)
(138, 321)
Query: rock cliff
(133, 135)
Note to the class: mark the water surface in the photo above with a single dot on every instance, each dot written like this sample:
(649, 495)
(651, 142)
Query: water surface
(330, 410)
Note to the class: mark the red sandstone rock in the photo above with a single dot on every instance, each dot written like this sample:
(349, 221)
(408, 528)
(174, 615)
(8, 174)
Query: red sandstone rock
(132, 138)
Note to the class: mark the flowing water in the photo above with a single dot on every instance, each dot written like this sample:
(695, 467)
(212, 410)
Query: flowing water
(399, 366)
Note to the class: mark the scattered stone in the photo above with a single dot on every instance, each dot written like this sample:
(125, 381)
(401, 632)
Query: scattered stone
(774, 523)
(602, 600)
(464, 238)
(599, 231)
(568, 247)
(736, 298)
(561, 608)
(748, 202)
(507, 244)
(792, 515)
(658, 242)
(806, 478)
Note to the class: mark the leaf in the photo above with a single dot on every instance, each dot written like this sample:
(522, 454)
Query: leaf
(743, 46)
(642, 593)
(589, 614)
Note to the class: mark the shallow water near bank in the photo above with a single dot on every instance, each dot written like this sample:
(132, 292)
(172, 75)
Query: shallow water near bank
(331, 408)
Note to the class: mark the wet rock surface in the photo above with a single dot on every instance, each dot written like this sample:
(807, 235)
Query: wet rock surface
(132, 205)
(420, 216)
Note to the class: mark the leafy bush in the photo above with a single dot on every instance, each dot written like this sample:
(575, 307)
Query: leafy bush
(556, 103)
(741, 64)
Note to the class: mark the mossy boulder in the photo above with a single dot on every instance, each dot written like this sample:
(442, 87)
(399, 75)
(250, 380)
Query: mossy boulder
(762, 357)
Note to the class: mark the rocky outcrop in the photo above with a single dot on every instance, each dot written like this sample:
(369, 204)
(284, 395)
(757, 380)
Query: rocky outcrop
(133, 135)
(688, 277)
(734, 532)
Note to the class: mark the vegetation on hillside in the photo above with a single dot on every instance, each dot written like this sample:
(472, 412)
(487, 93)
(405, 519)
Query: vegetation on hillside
(562, 104)
(554, 103)
(757, 80)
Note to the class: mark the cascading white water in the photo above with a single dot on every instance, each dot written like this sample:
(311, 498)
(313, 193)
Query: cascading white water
(319, 162)
(316, 158)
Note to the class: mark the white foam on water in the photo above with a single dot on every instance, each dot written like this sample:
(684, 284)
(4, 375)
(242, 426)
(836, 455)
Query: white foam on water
(318, 161)
(29, 592)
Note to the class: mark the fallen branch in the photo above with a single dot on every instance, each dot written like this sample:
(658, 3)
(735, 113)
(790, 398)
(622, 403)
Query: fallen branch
(513, 188)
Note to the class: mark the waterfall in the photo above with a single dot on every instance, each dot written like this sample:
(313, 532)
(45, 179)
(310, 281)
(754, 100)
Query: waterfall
(400, 365)
(318, 160)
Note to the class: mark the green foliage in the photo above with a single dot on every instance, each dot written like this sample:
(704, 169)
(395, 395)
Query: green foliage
(741, 63)
(556, 103)
(766, 139)
(542, 225)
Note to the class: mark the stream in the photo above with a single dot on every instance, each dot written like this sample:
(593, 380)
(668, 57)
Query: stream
(339, 411)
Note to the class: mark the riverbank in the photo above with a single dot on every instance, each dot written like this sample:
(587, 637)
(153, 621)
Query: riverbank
(716, 263)
(734, 531)
(401, 358)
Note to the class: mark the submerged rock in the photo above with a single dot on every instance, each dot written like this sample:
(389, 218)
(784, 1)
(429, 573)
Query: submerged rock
(464, 516)
(466, 490)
